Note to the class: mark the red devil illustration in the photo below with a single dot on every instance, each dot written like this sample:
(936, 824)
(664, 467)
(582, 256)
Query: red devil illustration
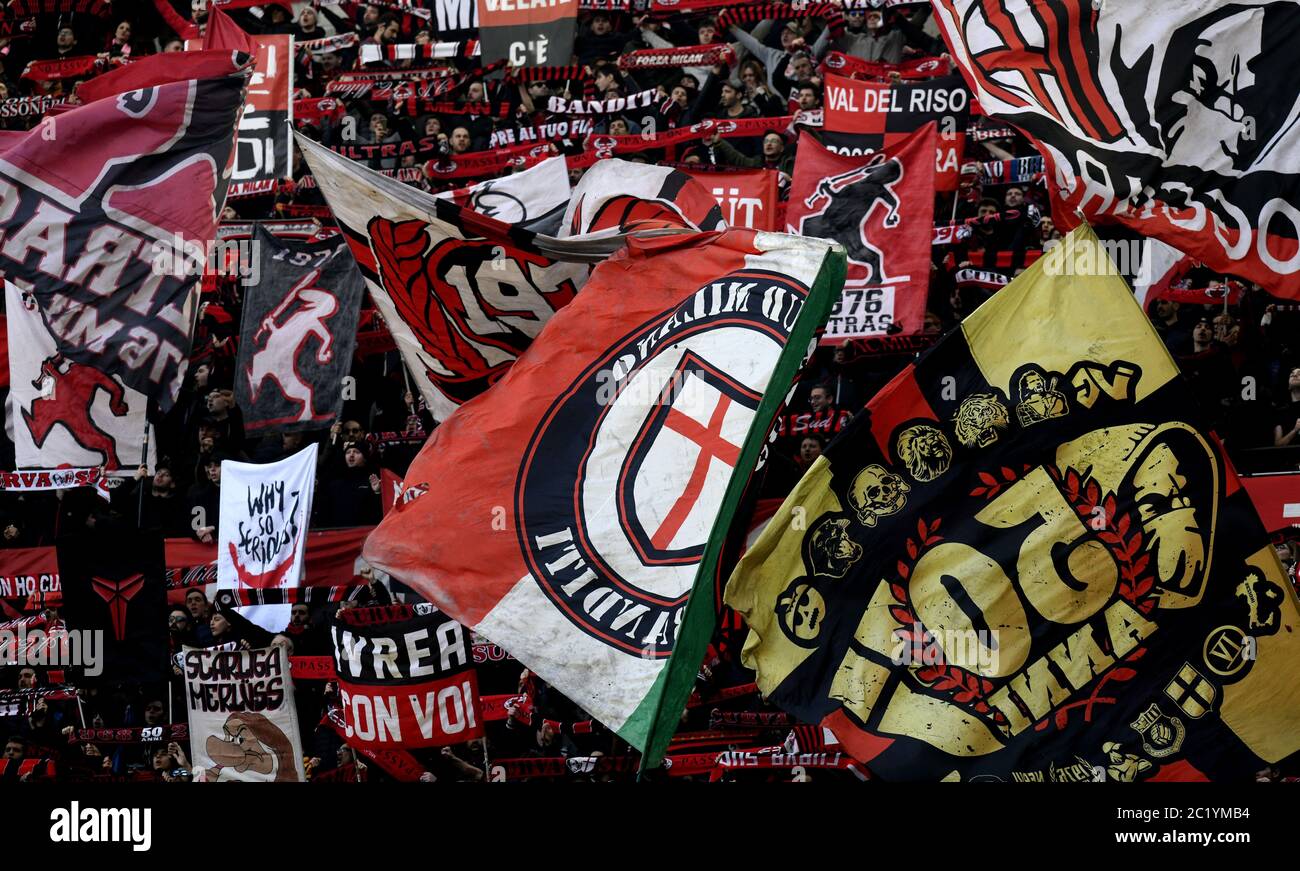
(279, 342)
(69, 389)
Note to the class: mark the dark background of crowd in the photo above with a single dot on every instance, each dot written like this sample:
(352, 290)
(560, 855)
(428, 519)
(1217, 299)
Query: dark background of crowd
(1243, 359)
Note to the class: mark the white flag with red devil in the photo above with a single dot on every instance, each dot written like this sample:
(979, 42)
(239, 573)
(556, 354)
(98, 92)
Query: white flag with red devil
(62, 412)
(265, 509)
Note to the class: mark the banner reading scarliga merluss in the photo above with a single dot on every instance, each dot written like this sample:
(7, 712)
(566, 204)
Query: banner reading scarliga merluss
(1029, 559)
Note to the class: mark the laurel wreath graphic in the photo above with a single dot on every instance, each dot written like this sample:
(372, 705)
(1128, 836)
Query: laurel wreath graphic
(962, 686)
(1123, 537)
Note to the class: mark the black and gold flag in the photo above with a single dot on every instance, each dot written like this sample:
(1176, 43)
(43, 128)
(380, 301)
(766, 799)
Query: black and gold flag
(1028, 559)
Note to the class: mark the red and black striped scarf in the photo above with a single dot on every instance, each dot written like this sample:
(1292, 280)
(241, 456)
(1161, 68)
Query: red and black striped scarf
(751, 14)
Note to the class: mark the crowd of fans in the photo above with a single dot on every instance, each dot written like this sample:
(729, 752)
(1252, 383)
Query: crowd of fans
(1243, 358)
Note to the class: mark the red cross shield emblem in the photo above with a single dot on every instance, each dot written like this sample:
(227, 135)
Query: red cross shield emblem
(703, 413)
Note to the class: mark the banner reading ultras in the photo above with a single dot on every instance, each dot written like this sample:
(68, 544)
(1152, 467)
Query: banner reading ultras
(1026, 560)
(602, 459)
(406, 677)
(105, 215)
(527, 33)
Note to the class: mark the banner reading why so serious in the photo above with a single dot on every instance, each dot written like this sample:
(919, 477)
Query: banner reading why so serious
(265, 509)
(1045, 570)
(243, 722)
(406, 677)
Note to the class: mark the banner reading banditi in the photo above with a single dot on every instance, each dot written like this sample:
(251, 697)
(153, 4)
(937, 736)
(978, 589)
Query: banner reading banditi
(298, 333)
(462, 293)
(1177, 120)
(526, 33)
(614, 455)
(881, 209)
(66, 413)
(1050, 573)
(265, 508)
(109, 223)
(862, 117)
(243, 723)
(405, 677)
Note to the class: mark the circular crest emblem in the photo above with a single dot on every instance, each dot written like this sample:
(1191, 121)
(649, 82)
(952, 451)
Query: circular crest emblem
(626, 472)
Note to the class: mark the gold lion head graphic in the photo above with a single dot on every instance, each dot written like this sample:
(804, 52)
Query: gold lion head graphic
(925, 451)
(979, 417)
(831, 552)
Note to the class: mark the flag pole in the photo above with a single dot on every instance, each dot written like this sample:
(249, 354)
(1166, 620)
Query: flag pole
(144, 462)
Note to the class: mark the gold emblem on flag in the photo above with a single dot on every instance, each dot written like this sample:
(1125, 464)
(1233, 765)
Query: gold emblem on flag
(1161, 735)
(979, 419)
(800, 612)
(877, 492)
(1227, 650)
(830, 550)
(1192, 693)
(925, 451)
(1039, 399)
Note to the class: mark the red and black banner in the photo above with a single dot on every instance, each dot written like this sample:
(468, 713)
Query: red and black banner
(29, 580)
(527, 34)
(862, 117)
(880, 207)
(298, 333)
(147, 170)
(406, 677)
(333, 561)
(1203, 161)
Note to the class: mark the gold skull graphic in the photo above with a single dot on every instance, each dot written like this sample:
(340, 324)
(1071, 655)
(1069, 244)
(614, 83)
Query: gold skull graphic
(877, 492)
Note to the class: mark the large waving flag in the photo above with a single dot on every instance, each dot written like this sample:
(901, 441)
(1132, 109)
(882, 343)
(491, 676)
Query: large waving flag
(108, 211)
(462, 292)
(570, 510)
(1027, 559)
(1179, 120)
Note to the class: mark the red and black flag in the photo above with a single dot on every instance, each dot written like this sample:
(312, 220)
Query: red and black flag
(527, 34)
(298, 333)
(1029, 559)
(116, 583)
(406, 677)
(880, 207)
(463, 292)
(863, 117)
(109, 209)
(1178, 120)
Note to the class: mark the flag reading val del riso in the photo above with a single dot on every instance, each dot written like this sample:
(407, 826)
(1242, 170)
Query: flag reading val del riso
(607, 464)
(1027, 559)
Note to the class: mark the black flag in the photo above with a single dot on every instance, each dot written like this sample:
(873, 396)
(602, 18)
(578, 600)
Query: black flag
(116, 583)
(298, 334)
